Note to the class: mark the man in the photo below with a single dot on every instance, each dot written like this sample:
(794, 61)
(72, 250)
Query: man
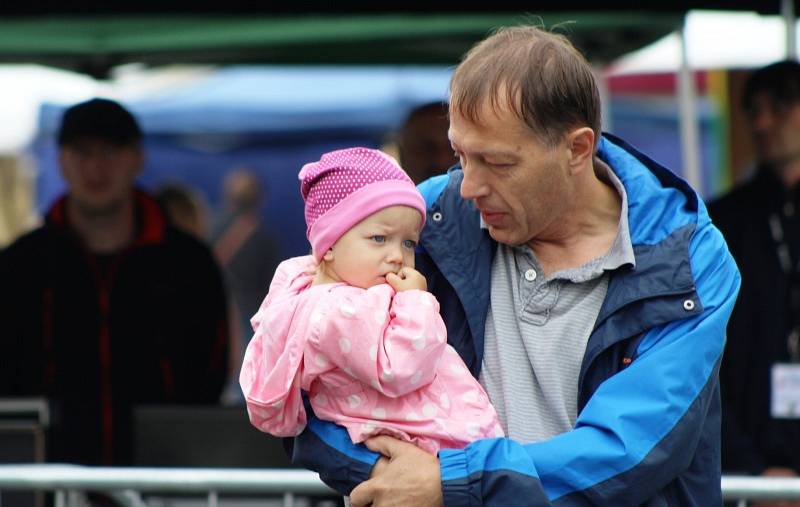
(581, 282)
(249, 255)
(106, 307)
(761, 433)
(423, 147)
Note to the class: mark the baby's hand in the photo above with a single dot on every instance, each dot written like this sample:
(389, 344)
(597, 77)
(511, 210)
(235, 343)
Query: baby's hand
(407, 279)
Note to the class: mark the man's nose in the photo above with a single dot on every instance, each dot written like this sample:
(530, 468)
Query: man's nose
(762, 118)
(94, 166)
(472, 187)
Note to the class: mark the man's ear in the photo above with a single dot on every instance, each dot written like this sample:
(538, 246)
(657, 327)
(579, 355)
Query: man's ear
(580, 143)
(328, 257)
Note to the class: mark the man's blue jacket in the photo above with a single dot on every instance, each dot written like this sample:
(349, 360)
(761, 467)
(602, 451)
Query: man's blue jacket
(647, 431)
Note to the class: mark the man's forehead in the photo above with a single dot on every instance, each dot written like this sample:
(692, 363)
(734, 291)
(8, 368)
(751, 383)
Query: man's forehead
(765, 99)
(500, 122)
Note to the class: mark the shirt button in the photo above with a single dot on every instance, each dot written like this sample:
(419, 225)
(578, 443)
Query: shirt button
(688, 305)
(530, 275)
(437, 217)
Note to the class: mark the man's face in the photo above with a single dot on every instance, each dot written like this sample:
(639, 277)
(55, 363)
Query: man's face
(99, 174)
(519, 184)
(776, 129)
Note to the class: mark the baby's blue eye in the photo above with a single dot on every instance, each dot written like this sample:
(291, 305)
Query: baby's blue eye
(408, 243)
(379, 238)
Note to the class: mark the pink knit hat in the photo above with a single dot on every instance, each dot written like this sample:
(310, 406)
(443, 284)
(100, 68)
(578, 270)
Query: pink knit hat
(345, 187)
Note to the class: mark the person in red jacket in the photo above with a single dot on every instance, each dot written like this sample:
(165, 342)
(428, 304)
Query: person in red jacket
(106, 306)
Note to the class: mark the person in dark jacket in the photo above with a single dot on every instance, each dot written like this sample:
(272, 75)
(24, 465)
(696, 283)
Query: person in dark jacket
(106, 306)
(585, 287)
(760, 220)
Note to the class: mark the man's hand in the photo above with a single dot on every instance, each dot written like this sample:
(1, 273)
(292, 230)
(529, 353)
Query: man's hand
(407, 279)
(410, 477)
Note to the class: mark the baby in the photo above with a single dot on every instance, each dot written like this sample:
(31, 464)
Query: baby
(353, 324)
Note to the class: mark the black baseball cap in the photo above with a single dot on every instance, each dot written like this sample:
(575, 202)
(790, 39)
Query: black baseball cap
(99, 119)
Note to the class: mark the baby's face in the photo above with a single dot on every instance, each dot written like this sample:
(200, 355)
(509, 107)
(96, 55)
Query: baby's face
(382, 243)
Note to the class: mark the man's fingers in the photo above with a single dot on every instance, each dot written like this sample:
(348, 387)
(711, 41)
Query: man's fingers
(382, 444)
(363, 494)
(379, 467)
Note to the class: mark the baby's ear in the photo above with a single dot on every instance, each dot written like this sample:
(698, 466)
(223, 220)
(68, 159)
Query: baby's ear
(328, 257)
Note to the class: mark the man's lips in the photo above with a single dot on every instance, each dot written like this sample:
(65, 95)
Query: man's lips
(492, 217)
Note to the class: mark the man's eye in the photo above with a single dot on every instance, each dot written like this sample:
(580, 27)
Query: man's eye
(409, 243)
(379, 238)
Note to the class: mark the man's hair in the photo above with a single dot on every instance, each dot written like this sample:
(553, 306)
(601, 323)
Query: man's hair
(99, 119)
(780, 81)
(540, 75)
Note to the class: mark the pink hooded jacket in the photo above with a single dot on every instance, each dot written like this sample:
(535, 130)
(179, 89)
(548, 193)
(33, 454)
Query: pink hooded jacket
(371, 360)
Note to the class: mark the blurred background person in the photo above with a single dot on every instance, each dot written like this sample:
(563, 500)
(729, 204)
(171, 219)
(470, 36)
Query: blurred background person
(106, 306)
(185, 209)
(249, 255)
(423, 147)
(760, 221)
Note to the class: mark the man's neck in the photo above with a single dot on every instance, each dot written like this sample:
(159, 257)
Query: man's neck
(103, 233)
(587, 230)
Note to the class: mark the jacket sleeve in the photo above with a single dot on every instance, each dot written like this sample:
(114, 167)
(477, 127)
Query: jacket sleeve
(270, 378)
(391, 341)
(640, 428)
(326, 448)
(740, 452)
(201, 351)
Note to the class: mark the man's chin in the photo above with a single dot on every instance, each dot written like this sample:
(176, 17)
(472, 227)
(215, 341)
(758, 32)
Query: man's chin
(98, 208)
(500, 235)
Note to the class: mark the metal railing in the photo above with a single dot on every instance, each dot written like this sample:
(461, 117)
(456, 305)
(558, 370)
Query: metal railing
(126, 484)
(744, 488)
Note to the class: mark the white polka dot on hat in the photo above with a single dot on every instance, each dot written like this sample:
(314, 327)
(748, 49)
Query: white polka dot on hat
(346, 186)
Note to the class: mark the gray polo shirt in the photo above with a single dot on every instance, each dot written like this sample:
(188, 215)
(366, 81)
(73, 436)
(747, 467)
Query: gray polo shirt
(537, 329)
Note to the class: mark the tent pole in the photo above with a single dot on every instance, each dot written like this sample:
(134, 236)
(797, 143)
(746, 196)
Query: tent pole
(687, 98)
(601, 78)
(787, 11)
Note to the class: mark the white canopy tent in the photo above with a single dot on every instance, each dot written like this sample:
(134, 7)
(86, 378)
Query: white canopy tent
(27, 87)
(711, 40)
(714, 40)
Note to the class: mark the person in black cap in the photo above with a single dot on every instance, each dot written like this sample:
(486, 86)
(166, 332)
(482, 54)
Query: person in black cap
(761, 223)
(107, 306)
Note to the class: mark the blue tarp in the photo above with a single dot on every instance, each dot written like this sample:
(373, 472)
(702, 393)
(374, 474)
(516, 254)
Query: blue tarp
(269, 119)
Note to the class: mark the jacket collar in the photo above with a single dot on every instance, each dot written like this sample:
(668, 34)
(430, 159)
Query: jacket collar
(151, 223)
(663, 212)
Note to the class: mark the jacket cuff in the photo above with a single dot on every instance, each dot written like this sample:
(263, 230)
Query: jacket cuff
(360, 472)
(456, 488)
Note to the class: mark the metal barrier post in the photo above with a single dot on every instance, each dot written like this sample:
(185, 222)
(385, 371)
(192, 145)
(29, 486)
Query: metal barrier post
(213, 499)
(288, 499)
(61, 499)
